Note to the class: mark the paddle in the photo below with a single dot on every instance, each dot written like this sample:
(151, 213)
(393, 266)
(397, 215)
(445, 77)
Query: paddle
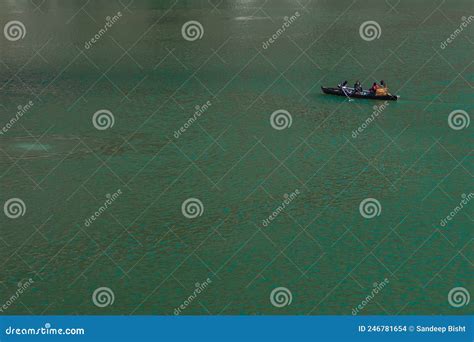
(350, 100)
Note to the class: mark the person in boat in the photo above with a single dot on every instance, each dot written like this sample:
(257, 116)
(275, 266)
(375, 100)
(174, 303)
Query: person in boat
(343, 84)
(357, 87)
(382, 90)
(374, 88)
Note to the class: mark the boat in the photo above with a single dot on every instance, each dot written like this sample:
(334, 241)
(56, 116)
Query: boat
(365, 94)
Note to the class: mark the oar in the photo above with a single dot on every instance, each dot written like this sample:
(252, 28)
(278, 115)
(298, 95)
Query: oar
(350, 100)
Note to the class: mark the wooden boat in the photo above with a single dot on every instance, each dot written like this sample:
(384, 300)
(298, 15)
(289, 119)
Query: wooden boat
(365, 94)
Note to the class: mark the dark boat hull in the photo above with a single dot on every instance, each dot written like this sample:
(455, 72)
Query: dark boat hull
(349, 92)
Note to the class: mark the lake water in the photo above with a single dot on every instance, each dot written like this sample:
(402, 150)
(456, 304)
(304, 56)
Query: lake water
(181, 119)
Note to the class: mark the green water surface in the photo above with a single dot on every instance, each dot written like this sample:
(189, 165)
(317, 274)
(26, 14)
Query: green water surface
(151, 79)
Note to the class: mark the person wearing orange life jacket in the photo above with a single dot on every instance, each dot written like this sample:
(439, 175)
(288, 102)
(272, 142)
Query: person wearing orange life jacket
(382, 90)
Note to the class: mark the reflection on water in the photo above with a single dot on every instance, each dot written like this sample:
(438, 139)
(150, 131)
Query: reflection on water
(33, 146)
(251, 18)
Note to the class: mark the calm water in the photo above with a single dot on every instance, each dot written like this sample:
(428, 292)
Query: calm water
(151, 79)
